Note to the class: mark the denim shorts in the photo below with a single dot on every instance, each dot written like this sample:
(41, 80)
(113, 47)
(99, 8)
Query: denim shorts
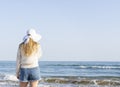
(29, 74)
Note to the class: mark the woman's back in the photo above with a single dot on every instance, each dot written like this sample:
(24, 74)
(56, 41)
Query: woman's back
(29, 52)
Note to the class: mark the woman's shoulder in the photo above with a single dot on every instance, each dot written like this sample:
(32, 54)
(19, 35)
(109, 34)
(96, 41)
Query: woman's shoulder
(38, 45)
(21, 44)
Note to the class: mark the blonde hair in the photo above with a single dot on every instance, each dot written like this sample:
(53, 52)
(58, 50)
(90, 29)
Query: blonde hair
(29, 48)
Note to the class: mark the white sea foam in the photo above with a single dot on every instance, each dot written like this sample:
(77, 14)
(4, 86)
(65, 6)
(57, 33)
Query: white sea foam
(17, 85)
(8, 77)
(100, 67)
(7, 80)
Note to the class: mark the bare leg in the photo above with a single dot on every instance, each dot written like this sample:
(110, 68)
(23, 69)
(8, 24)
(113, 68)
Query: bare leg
(33, 83)
(23, 84)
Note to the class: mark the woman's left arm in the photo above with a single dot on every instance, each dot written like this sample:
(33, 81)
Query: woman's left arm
(18, 63)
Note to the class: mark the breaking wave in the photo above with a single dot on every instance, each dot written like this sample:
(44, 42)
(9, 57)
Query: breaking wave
(65, 81)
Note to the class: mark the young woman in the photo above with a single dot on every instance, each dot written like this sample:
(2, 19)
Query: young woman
(29, 52)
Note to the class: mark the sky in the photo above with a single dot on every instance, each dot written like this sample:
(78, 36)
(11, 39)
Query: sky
(71, 30)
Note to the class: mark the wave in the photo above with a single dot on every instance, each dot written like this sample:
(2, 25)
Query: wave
(7, 77)
(111, 81)
(67, 80)
(88, 66)
(99, 67)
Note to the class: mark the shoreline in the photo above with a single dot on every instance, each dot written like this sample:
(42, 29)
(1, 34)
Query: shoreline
(70, 81)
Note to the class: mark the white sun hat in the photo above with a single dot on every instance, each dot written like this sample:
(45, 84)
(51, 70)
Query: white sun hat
(31, 33)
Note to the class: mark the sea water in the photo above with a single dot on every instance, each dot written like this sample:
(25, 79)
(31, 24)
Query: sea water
(67, 74)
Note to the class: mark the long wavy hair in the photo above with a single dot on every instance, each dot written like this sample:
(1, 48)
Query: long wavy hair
(29, 48)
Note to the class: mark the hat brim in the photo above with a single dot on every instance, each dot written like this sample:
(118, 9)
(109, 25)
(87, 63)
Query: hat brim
(36, 37)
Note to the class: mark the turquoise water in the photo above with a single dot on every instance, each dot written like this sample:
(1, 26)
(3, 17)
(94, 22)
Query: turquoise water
(70, 74)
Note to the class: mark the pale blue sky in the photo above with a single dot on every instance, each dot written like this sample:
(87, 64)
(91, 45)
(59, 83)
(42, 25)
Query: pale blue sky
(72, 30)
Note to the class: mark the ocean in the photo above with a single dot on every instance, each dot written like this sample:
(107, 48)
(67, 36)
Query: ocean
(67, 74)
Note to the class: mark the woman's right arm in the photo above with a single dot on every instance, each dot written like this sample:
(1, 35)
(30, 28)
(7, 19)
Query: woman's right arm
(39, 51)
